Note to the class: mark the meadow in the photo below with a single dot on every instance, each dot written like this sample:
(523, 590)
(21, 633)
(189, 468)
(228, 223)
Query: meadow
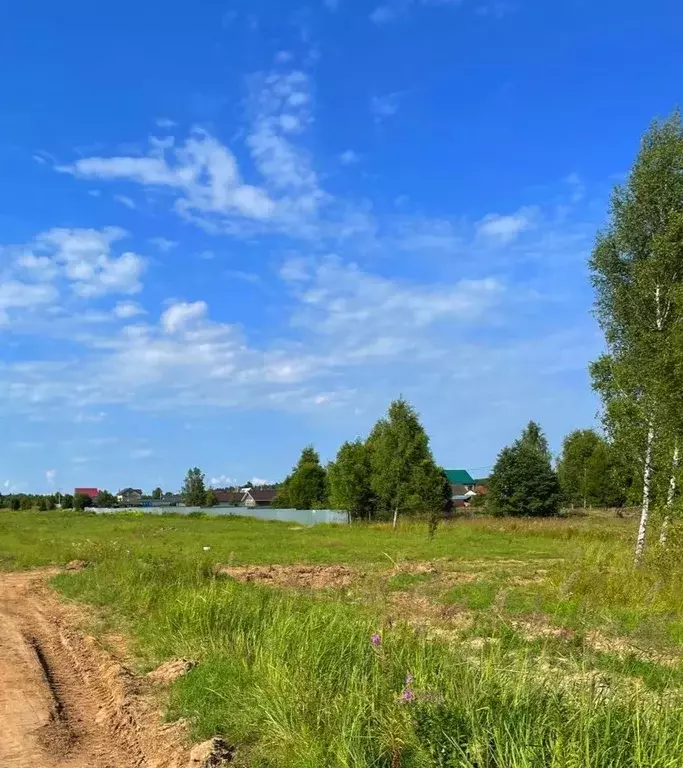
(496, 643)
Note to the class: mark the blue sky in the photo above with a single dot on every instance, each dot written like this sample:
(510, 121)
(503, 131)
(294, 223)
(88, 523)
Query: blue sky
(228, 229)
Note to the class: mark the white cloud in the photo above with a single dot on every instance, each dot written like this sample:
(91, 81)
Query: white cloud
(349, 157)
(128, 309)
(331, 5)
(15, 294)
(246, 277)
(125, 200)
(341, 294)
(576, 187)
(383, 107)
(166, 123)
(84, 257)
(203, 171)
(50, 476)
(383, 14)
(396, 10)
(41, 278)
(283, 57)
(203, 176)
(163, 243)
(178, 317)
(222, 481)
(260, 481)
(505, 229)
(141, 453)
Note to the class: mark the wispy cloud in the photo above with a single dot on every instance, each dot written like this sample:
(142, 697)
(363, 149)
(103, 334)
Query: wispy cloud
(163, 243)
(127, 309)
(141, 453)
(125, 200)
(349, 157)
(383, 107)
(506, 228)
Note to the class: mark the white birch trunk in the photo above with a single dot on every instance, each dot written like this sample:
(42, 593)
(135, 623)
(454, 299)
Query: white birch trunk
(671, 493)
(393, 525)
(647, 480)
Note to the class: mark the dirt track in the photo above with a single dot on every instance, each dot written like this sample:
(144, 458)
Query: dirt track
(64, 702)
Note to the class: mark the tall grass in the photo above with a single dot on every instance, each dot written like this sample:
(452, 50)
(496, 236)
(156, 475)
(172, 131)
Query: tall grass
(296, 680)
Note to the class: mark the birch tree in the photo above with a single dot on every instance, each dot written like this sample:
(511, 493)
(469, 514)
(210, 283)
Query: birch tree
(637, 267)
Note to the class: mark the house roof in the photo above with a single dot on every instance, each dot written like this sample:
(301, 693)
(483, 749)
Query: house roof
(458, 489)
(459, 476)
(91, 492)
(229, 497)
(129, 491)
(262, 494)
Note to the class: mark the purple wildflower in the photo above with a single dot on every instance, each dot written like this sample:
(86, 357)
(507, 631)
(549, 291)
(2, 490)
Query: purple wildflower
(407, 695)
(409, 679)
(376, 639)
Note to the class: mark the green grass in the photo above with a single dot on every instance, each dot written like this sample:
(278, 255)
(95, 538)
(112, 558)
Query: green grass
(33, 538)
(294, 680)
(291, 678)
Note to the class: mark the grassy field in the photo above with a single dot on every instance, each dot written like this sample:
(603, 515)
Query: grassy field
(496, 643)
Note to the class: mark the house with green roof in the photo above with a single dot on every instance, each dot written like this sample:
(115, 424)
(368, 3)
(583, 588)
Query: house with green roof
(459, 477)
(462, 486)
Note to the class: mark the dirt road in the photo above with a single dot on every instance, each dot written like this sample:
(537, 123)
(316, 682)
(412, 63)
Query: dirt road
(64, 702)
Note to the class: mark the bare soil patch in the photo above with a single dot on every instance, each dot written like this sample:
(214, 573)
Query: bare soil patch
(64, 701)
(171, 670)
(309, 576)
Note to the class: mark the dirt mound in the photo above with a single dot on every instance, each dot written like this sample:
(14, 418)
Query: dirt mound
(171, 670)
(76, 565)
(311, 576)
(213, 753)
(64, 702)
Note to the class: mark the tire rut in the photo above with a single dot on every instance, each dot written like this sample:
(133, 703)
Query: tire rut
(64, 702)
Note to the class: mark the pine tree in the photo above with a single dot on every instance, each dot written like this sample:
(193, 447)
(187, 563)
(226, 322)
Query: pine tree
(534, 437)
(194, 491)
(306, 486)
(523, 481)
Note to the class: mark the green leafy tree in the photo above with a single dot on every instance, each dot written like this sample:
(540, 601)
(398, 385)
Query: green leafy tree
(523, 482)
(82, 501)
(637, 271)
(404, 476)
(350, 480)
(42, 504)
(194, 491)
(306, 486)
(106, 499)
(210, 498)
(157, 493)
(15, 503)
(67, 501)
(50, 502)
(590, 471)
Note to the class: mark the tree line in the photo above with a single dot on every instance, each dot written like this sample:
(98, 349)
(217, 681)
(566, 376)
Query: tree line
(389, 473)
